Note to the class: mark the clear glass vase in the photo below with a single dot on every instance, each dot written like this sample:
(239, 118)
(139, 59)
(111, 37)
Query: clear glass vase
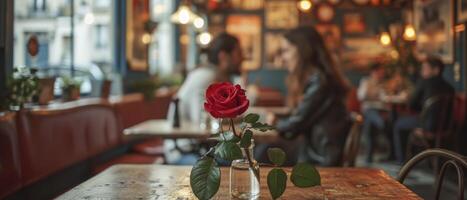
(243, 182)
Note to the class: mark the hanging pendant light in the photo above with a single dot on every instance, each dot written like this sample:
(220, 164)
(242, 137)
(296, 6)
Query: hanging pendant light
(385, 39)
(409, 33)
(183, 15)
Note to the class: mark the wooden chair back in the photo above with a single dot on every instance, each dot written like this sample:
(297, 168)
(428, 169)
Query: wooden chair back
(352, 143)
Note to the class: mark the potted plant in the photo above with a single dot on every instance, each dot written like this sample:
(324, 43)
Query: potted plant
(225, 102)
(147, 87)
(46, 88)
(70, 88)
(21, 86)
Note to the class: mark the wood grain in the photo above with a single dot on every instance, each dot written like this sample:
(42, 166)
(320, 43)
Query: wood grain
(172, 182)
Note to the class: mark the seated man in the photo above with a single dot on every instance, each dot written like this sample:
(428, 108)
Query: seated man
(431, 85)
(224, 60)
(371, 92)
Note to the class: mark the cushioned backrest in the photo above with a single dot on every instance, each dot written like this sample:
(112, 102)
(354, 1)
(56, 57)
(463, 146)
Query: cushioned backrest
(133, 109)
(9, 156)
(51, 140)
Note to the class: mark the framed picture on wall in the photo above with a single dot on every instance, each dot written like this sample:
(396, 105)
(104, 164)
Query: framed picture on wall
(461, 11)
(136, 47)
(359, 52)
(354, 23)
(281, 14)
(433, 23)
(247, 28)
(247, 5)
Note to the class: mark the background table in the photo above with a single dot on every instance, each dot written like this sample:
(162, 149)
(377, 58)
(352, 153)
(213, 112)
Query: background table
(172, 182)
(163, 129)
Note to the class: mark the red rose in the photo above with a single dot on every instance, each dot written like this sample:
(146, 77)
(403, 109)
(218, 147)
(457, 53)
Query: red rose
(225, 100)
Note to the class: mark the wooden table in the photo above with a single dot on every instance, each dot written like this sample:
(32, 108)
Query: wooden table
(163, 129)
(172, 182)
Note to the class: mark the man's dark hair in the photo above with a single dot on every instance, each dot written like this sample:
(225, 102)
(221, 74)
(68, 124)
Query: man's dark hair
(376, 66)
(435, 62)
(224, 42)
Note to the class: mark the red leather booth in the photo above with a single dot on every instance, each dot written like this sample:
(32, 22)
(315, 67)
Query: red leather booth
(10, 174)
(46, 150)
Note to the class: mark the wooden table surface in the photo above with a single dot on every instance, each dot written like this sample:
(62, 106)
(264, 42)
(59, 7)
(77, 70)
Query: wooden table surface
(163, 129)
(172, 182)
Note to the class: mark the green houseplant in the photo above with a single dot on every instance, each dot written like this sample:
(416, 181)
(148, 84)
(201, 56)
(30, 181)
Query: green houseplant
(225, 101)
(22, 86)
(70, 88)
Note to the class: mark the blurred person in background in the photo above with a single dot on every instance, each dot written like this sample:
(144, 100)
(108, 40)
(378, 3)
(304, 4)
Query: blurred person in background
(397, 88)
(432, 84)
(370, 93)
(316, 93)
(224, 60)
(224, 56)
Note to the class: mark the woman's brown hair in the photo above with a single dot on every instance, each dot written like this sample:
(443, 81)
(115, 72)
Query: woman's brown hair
(313, 56)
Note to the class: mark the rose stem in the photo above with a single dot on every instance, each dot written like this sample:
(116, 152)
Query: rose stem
(233, 127)
(250, 162)
(220, 125)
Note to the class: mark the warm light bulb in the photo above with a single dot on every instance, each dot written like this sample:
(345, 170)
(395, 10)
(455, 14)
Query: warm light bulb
(184, 16)
(146, 38)
(198, 23)
(409, 33)
(204, 38)
(89, 18)
(184, 39)
(304, 5)
(385, 39)
(394, 54)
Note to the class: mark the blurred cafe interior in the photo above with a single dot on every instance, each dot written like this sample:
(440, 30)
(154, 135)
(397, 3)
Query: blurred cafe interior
(153, 99)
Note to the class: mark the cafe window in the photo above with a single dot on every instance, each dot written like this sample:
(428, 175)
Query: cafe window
(82, 48)
(39, 5)
(85, 44)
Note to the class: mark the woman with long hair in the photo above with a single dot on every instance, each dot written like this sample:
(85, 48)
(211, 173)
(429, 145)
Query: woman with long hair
(316, 92)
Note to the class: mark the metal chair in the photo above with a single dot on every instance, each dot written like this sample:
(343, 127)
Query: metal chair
(454, 159)
(352, 143)
(441, 125)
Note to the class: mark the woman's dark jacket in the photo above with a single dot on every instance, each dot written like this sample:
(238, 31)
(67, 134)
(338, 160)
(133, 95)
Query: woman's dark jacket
(323, 119)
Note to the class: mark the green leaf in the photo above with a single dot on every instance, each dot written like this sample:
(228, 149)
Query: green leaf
(276, 156)
(228, 151)
(215, 136)
(228, 136)
(245, 142)
(251, 118)
(231, 137)
(305, 175)
(262, 127)
(277, 182)
(205, 178)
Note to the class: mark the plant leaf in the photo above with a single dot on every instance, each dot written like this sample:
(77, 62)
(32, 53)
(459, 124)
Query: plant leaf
(215, 136)
(245, 142)
(231, 137)
(228, 136)
(251, 118)
(228, 151)
(305, 175)
(205, 178)
(277, 182)
(276, 156)
(262, 127)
